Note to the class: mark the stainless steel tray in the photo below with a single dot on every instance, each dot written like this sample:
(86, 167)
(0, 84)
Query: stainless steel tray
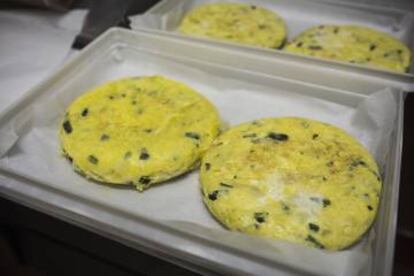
(194, 239)
(299, 15)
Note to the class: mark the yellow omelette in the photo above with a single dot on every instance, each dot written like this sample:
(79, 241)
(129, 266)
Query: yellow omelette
(240, 23)
(292, 179)
(138, 131)
(354, 44)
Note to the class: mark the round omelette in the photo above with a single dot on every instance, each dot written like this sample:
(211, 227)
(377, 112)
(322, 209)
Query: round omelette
(355, 44)
(235, 22)
(292, 179)
(138, 131)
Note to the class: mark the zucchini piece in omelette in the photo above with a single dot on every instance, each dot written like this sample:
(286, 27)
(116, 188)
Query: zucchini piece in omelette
(138, 131)
(354, 44)
(292, 179)
(240, 23)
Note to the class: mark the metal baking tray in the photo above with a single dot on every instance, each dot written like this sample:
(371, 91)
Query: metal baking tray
(299, 15)
(193, 239)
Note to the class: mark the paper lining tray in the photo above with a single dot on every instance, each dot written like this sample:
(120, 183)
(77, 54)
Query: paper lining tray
(170, 220)
(299, 15)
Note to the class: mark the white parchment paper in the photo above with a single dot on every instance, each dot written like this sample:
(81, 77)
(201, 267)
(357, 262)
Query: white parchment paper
(29, 146)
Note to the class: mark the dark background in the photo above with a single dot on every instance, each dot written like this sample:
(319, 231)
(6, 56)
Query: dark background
(32, 243)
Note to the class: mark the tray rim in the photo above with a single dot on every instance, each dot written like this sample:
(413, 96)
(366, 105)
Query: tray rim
(111, 36)
(406, 77)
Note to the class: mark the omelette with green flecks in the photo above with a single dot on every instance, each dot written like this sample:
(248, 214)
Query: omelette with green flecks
(241, 23)
(292, 179)
(354, 44)
(138, 131)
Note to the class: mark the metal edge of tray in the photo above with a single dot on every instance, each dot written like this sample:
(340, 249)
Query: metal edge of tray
(164, 232)
(403, 81)
(112, 34)
(383, 263)
(406, 79)
(164, 4)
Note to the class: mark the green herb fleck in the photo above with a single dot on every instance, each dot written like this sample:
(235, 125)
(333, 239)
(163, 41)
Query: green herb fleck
(356, 163)
(326, 202)
(226, 185)
(92, 159)
(214, 195)
(192, 135)
(315, 242)
(144, 155)
(261, 217)
(278, 136)
(285, 207)
(85, 112)
(250, 135)
(313, 227)
(67, 127)
(104, 137)
(69, 158)
(145, 180)
(314, 47)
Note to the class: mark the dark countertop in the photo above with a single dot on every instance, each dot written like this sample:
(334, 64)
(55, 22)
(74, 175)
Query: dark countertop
(403, 264)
